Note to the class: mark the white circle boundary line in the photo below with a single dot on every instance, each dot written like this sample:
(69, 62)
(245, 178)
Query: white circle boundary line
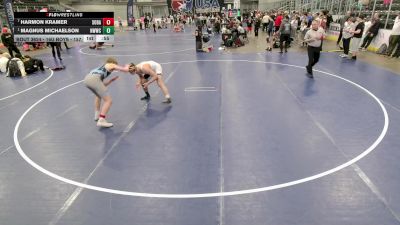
(140, 54)
(10, 96)
(215, 194)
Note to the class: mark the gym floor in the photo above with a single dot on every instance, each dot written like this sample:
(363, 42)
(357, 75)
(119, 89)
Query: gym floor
(248, 139)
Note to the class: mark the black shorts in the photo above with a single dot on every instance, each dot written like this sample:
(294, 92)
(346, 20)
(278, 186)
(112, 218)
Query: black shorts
(285, 38)
(146, 76)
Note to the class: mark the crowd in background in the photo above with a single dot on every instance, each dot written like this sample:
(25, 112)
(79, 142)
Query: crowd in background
(282, 28)
(16, 65)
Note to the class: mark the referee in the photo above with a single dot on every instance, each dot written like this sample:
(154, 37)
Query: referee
(314, 39)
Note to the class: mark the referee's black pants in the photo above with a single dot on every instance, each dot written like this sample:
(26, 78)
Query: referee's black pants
(12, 48)
(313, 55)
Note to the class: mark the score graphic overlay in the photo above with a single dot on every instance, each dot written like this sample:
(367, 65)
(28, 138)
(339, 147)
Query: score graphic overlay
(63, 26)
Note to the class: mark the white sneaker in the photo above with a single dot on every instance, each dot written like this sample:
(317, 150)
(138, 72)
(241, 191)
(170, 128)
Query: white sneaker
(343, 55)
(103, 123)
(96, 116)
(167, 101)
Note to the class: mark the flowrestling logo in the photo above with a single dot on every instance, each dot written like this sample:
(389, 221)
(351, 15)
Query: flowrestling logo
(200, 6)
(182, 5)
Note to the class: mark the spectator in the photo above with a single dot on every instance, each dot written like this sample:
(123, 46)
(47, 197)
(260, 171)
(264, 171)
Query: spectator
(394, 38)
(257, 25)
(294, 24)
(8, 41)
(329, 19)
(348, 31)
(278, 21)
(358, 31)
(249, 23)
(342, 21)
(372, 32)
(265, 21)
(285, 30)
(199, 42)
(55, 46)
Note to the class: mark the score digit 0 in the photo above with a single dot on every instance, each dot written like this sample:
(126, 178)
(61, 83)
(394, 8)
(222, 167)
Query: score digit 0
(108, 30)
(108, 21)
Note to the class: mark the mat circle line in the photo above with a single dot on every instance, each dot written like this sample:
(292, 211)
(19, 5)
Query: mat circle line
(213, 194)
(30, 88)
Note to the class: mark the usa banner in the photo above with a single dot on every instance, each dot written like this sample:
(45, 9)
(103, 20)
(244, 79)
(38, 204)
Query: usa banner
(208, 6)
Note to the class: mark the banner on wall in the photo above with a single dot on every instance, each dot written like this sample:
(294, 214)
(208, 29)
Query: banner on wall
(129, 15)
(8, 6)
(207, 6)
(181, 5)
(198, 6)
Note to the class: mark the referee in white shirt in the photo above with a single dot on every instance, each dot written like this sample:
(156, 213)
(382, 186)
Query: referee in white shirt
(314, 39)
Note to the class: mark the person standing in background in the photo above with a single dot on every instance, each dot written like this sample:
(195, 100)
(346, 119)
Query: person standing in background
(372, 32)
(394, 38)
(357, 35)
(8, 41)
(342, 21)
(121, 29)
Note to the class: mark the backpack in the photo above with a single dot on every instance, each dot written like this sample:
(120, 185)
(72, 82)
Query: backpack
(382, 50)
(13, 69)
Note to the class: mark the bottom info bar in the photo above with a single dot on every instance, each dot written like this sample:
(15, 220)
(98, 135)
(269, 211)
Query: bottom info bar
(63, 38)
